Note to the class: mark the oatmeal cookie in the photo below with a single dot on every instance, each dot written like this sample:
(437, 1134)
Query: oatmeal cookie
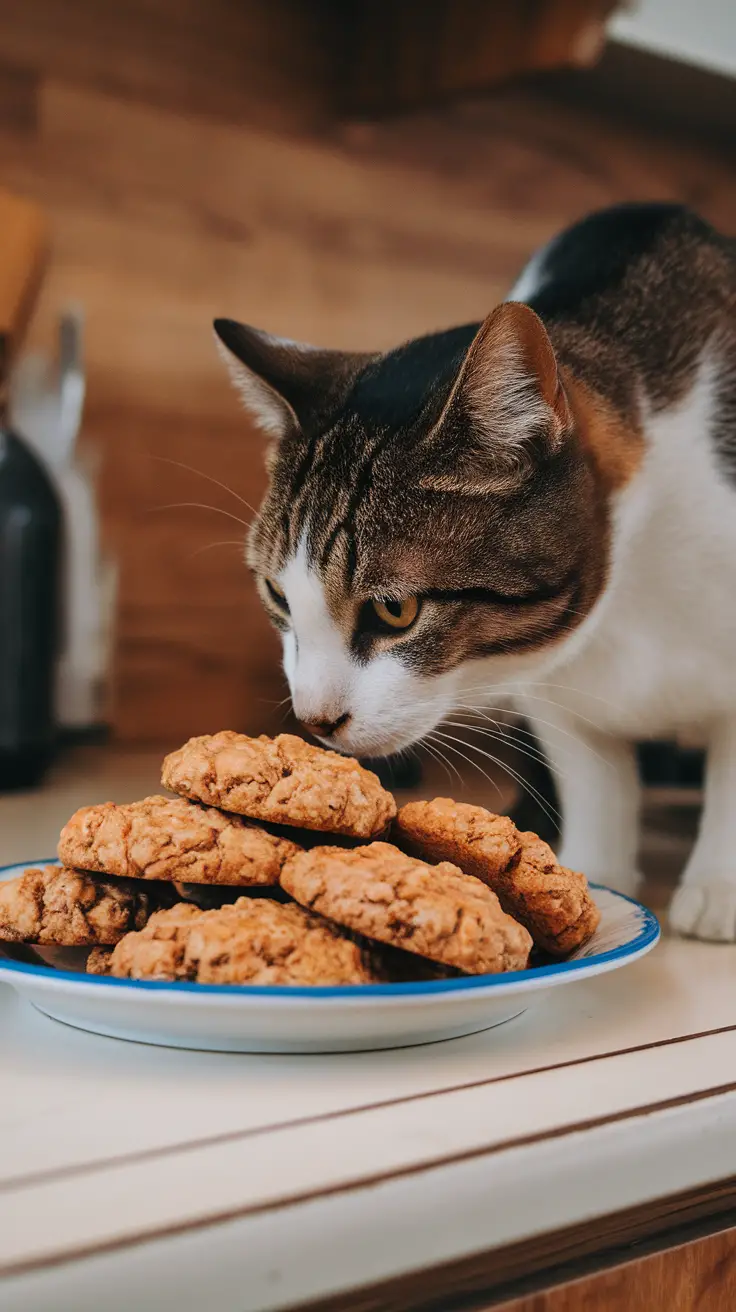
(283, 780)
(157, 954)
(70, 909)
(554, 903)
(170, 838)
(254, 941)
(480, 843)
(434, 911)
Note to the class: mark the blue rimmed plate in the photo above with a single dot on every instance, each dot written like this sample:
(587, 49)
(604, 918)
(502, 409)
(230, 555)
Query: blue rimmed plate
(232, 1018)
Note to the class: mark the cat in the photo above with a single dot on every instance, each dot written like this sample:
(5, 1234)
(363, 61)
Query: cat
(540, 507)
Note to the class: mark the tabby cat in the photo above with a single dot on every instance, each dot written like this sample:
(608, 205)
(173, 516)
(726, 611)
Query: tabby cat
(541, 507)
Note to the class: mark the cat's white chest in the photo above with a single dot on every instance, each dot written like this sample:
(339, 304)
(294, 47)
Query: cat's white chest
(660, 651)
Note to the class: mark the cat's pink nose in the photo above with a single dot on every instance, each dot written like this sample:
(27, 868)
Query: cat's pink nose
(326, 728)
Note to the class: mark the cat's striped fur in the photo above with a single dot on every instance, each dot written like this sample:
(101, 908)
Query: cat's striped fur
(556, 488)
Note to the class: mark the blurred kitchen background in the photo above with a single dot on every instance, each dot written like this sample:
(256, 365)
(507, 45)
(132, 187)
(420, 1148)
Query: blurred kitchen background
(350, 174)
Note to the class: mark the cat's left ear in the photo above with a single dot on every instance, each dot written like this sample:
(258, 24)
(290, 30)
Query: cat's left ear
(508, 400)
(284, 384)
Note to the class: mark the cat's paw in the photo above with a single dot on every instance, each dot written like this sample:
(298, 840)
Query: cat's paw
(705, 910)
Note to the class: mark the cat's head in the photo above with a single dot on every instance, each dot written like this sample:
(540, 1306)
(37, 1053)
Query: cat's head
(431, 522)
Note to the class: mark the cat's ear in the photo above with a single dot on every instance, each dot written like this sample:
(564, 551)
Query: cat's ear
(507, 401)
(284, 384)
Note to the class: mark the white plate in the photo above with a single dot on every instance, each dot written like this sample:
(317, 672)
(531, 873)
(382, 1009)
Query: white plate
(235, 1018)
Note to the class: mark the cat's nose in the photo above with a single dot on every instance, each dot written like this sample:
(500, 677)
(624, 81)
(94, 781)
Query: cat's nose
(326, 728)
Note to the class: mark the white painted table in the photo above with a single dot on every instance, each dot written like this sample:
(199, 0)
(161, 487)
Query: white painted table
(134, 1177)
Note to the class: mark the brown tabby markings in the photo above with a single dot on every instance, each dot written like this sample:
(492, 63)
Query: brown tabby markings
(478, 467)
(614, 443)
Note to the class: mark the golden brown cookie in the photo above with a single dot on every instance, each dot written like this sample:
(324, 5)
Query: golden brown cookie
(554, 903)
(283, 780)
(255, 941)
(158, 954)
(434, 911)
(70, 909)
(170, 838)
(476, 840)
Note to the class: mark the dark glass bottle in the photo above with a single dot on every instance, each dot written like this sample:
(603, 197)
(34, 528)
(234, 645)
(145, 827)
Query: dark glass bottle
(30, 549)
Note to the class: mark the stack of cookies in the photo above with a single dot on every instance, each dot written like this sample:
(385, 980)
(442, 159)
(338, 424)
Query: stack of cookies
(271, 865)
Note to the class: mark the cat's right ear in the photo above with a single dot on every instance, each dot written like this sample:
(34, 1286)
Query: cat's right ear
(284, 384)
(508, 404)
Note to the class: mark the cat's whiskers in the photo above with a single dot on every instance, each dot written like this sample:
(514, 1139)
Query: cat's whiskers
(166, 460)
(200, 505)
(503, 728)
(283, 705)
(519, 688)
(466, 711)
(227, 542)
(269, 701)
(473, 764)
(550, 701)
(498, 737)
(516, 734)
(517, 729)
(436, 755)
(551, 812)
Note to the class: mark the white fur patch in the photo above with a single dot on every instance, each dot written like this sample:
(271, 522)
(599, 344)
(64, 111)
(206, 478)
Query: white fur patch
(390, 706)
(660, 645)
(534, 275)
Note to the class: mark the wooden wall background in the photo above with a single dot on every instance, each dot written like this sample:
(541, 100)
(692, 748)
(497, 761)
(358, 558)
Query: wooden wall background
(188, 171)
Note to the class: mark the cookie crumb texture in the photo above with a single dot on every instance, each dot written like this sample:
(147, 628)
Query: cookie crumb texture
(69, 909)
(434, 911)
(554, 903)
(283, 780)
(98, 961)
(173, 839)
(254, 941)
(476, 840)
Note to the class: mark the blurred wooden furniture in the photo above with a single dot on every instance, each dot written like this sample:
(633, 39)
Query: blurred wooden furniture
(699, 1276)
(189, 167)
(392, 54)
(23, 238)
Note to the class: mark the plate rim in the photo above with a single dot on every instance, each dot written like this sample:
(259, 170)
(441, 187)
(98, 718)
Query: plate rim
(518, 980)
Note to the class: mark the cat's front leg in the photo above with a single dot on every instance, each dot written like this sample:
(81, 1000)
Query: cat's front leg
(598, 786)
(704, 905)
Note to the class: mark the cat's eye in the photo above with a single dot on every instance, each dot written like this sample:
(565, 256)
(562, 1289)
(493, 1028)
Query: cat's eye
(276, 594)
(396, 614)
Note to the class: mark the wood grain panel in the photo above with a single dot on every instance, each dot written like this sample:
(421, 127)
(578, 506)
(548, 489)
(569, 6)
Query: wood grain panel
(154, 138)
(196, 650)
(263, 59)
(22, 254)
(398, 53)
(698, 1277)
